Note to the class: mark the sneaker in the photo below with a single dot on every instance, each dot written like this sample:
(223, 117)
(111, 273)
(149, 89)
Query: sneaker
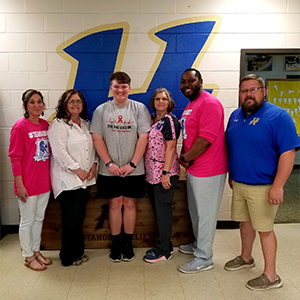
(263, 283)
(128, 253)
(239, 263)
(153, 249)
(150, 251)
(128, 257)
(115, 254)
(152, 257)
(195, 265)
(187, 249)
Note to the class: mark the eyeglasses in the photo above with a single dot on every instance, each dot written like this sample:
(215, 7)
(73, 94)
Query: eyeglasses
(162, 99)
(252, 90)
(72, 102)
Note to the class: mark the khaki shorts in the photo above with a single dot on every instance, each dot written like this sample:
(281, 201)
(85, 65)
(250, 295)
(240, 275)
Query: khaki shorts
(250, 203)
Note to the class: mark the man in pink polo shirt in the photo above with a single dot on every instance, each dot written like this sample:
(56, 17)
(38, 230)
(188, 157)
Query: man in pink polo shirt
(205, 159)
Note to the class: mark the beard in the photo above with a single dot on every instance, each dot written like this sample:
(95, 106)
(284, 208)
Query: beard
(194, 94)
(252, 106)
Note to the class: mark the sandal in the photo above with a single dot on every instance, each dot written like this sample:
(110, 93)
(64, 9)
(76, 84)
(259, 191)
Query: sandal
(33, 266)
(84, 258)
(77, 262)
(43, 260)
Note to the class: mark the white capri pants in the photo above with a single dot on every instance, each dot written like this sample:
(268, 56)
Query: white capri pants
(32, 214)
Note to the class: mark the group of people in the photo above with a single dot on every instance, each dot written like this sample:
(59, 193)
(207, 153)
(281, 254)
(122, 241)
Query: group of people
(134, 151)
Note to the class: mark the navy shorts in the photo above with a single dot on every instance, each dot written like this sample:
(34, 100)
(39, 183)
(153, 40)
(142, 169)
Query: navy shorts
(116, 186)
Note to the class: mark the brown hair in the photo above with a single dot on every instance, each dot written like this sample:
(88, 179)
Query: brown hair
(121, 77)
(26, 97)
(171, 105)
(61, 109)
(253, 77)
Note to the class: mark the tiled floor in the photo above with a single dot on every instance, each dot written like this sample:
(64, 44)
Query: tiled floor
(101, 279)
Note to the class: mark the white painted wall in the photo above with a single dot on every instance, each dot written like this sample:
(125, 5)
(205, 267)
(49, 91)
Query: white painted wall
(30, 31)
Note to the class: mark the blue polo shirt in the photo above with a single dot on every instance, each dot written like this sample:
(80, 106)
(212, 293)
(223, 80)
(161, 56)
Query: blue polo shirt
(255, 143)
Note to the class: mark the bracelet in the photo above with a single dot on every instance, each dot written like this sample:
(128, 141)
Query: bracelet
(132, 165)
(109, 164)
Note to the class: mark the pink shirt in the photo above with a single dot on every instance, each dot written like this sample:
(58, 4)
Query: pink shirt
(204, 117)
(29, 154)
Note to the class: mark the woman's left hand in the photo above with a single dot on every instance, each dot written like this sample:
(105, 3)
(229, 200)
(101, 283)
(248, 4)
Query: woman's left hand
(92, 172)
(165, 182)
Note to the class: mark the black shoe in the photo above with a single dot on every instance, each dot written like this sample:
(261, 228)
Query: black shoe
(115, 254)
(127, 253)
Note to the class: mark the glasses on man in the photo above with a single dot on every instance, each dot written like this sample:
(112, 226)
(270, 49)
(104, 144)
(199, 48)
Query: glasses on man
(161, 99)
(72, 102)
(252, 90)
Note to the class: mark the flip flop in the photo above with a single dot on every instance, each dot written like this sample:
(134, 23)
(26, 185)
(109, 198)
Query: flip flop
(44, 261)
(29, 265)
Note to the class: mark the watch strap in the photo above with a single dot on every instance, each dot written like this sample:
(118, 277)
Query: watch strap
(132, 165)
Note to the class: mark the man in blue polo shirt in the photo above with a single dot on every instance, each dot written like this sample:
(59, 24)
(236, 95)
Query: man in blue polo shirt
(262, 141)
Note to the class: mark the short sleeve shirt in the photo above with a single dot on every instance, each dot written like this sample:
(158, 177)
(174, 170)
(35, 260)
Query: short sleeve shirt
(120, 128)
(204, 117)
(166, 129)
(256, 142)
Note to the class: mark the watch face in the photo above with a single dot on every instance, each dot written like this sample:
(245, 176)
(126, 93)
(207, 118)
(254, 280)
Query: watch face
(132, 164)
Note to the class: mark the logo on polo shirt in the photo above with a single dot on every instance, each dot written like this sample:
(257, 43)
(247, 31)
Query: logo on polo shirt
(254, 121)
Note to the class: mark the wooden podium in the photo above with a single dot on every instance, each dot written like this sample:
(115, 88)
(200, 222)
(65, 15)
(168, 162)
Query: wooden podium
(96, 227)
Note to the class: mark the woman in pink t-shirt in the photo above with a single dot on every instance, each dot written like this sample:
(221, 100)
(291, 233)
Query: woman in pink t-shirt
(162, 171)
(29, 153)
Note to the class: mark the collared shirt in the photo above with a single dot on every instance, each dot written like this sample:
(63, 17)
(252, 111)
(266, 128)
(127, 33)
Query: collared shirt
(256, 142)
(72, 148)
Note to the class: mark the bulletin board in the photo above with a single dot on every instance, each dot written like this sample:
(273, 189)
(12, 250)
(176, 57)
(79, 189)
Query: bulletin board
(285, 93)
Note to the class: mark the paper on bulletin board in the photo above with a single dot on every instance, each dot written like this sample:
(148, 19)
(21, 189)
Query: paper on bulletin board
(285, 93)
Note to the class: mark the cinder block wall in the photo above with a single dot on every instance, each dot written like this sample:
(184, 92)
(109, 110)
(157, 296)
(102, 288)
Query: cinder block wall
(31, 31)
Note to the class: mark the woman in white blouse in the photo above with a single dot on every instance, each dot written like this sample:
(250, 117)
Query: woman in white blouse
(73, 169)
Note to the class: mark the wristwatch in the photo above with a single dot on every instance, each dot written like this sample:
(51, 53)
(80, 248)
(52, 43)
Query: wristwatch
(183, 159)
(132, 165)
(164, 172)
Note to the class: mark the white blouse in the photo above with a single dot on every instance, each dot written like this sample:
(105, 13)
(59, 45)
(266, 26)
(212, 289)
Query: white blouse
(72, 148)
